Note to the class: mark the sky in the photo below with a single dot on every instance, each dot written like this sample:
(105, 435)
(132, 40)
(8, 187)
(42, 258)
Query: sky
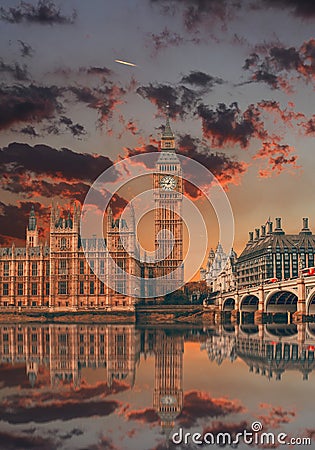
(238, 76)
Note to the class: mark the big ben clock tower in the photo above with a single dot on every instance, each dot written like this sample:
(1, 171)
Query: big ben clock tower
(168, 188)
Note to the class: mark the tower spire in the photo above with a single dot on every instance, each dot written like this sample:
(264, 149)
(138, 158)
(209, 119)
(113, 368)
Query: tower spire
(168, 133)
(167, 140)
(32, 220)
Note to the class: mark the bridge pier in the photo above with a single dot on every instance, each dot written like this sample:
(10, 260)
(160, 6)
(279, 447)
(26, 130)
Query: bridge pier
(301, 304)
(235, 312)
(261, 304)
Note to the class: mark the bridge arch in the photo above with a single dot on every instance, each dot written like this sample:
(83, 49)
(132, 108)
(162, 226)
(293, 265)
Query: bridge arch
(249, 303)
(228, 304)
(310, 302)
(281, 301)
(284, 331)
(249, 328)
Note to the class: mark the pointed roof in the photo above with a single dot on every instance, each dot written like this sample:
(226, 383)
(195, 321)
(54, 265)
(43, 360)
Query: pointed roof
(32, 220)
(167, 133)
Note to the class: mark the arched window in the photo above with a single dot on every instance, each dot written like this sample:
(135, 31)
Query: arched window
(63, 243)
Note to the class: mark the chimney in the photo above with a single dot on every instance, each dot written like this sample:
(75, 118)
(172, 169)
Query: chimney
(269, 227)
(305, 229)
(263, 231)
(278, 223)
(278, 228)
(257, 231)
(251, 236)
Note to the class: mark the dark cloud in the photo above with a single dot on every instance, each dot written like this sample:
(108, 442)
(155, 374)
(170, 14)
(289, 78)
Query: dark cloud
(26, 49)
(302, 8)
(165, 39)
(225, 168)
(201, 80)
(16, 71)
(68, 410)
(27, 104)
(13, 219)
(98, 71)
(197, 12)
(309, 126)
(45, 12)
(29, 130)
(199, 405)
(208, 13)
(275, 68)
(228, 125)
(180, 99)
(12, 441)
(47, 161)
(76, 129)
(104, 99)
(147, 415)
(278, 157)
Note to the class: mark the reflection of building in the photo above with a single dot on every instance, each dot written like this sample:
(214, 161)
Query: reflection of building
(220, 272)
(168, 384)
(59, 275)
(268, 350)
(67, 349)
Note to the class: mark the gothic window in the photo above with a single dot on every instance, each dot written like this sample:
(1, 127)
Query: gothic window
(34, 288)
(92, 287)
(62, 266)
(81, 287)
(62, 287)
(34, 269)
(47, 290)
(20, 289)
(81, 267)
(5, 289)
(6, 269)
(47, 269)
(20, 269)
(92, 264)
(63, 243)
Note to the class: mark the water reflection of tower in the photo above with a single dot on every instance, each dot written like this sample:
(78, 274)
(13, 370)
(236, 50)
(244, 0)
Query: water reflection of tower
(64, 365)
(123, 353)
(168, 389)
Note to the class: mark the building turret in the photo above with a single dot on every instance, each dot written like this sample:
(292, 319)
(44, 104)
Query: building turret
(31, 230)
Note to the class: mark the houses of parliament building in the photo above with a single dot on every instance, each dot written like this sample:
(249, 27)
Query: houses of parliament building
(58, 275)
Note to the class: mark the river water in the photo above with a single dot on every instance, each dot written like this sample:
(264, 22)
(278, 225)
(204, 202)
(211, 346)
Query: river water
(84, 386)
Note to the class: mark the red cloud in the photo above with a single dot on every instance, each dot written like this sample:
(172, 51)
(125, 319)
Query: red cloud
(278, 157)
(198, 404)
(276, 416)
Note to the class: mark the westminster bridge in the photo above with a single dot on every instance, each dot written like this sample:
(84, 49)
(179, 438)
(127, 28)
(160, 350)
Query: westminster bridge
(294, 296)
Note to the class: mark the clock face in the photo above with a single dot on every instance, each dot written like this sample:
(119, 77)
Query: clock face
(168, 400)
(168, 183)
